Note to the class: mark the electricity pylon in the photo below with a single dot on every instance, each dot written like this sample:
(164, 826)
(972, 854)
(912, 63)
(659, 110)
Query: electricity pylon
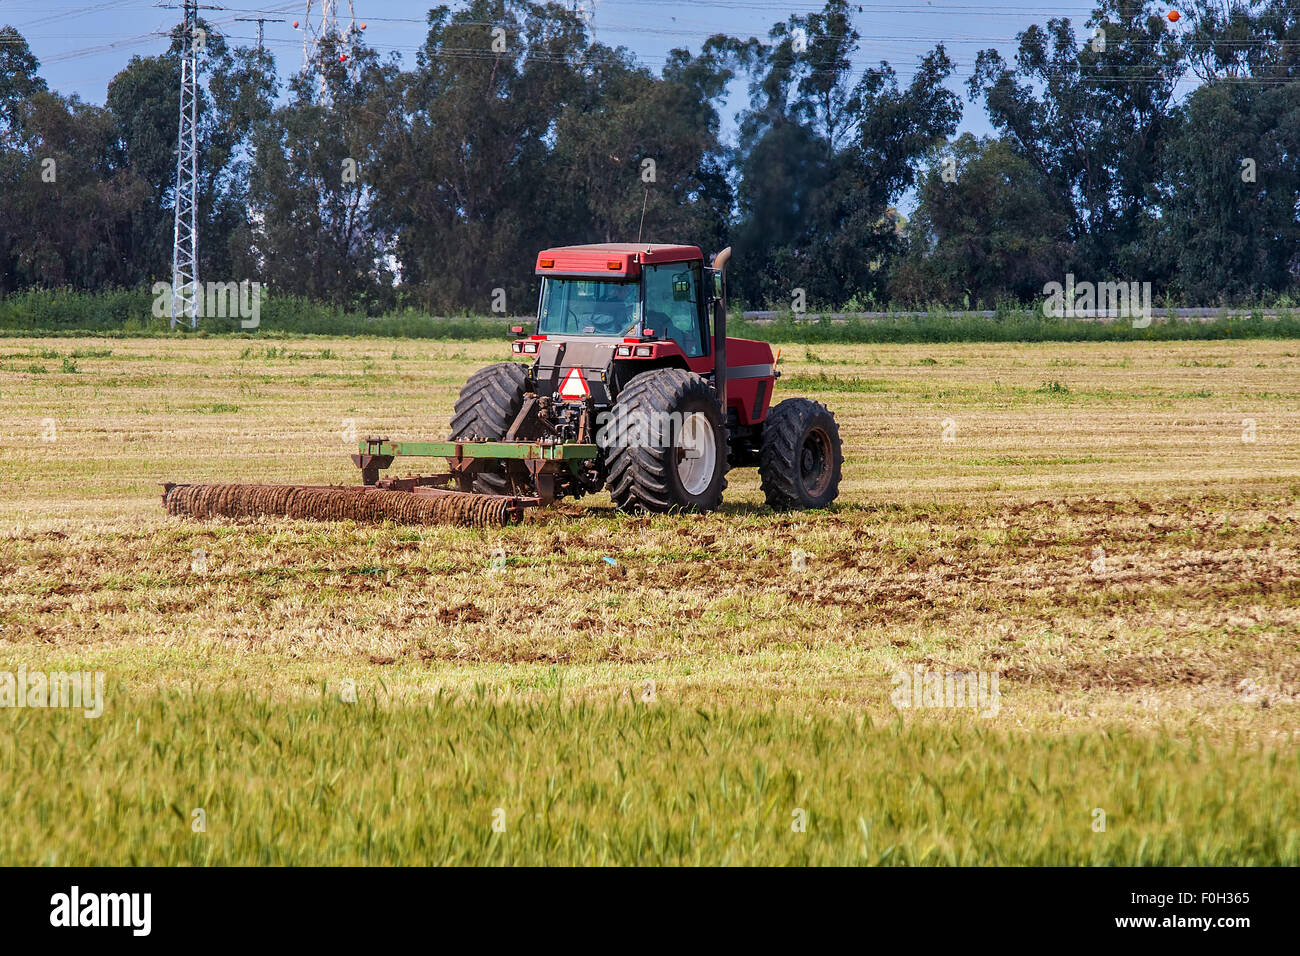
(326, 23)
(185, 233)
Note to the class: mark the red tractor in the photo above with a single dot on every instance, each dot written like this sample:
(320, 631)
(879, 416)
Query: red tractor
(631, 355)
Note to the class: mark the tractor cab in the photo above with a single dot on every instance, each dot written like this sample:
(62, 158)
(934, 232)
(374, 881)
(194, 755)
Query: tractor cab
(616, 310)
(653, 292)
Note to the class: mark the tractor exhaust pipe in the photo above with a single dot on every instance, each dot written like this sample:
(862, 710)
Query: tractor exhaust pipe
(720, 331)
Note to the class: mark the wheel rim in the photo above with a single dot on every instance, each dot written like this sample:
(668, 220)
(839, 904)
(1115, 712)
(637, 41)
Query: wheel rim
(697, 453)
(815, 462)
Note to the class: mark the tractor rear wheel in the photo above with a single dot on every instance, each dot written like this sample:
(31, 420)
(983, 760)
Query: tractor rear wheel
(486, 408)
(802, 458)
(666, 448)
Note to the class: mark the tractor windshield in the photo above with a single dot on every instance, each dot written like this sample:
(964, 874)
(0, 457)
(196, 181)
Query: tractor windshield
(588, 306)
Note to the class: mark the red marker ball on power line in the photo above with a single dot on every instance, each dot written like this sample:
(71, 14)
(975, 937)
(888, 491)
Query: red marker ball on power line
(363, 26)
(1174, 16)
(295, 24)
(342, 57)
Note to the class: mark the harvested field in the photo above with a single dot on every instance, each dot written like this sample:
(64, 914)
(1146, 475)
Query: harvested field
(1111, 529)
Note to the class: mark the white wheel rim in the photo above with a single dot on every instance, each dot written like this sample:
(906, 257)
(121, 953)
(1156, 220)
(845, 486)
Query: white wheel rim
(699, 453)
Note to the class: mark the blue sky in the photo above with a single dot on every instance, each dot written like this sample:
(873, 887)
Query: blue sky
(82, 44)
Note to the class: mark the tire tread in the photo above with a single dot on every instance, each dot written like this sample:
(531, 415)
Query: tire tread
(485, 409)
(779, 463)
(638, 476)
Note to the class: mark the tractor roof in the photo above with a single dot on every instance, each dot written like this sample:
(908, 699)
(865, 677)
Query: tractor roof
(613, 259)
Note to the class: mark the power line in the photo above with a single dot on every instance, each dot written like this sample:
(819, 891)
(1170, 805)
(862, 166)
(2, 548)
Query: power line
(1094, 72)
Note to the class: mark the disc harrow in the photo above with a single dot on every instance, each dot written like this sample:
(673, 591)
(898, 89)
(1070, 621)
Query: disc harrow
(412, 499)
(369, 505)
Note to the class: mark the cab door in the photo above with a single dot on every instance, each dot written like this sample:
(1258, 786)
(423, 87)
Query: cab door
(674, 307)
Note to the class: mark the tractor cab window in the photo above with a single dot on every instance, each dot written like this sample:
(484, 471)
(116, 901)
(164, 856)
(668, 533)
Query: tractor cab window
(672, 304)
(588, 307)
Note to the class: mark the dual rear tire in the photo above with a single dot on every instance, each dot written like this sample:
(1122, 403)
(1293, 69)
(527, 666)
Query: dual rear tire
(665, 445)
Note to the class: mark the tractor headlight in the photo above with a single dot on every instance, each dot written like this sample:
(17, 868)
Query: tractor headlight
(516, 347)
(530, 347)
(623, 350)
(644, 350)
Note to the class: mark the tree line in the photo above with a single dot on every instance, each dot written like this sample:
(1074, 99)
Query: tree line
(1130, 148)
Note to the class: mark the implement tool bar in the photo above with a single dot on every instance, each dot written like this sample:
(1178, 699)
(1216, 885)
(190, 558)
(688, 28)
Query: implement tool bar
(525, 451)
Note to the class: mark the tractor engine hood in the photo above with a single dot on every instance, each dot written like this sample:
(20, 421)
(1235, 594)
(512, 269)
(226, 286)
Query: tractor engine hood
(557, 359)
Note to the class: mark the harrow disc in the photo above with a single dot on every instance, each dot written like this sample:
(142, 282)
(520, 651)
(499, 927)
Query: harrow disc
(337, 504)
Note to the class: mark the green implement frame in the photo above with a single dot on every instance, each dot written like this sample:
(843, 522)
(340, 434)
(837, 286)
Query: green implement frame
(538, 451)
(542, 459)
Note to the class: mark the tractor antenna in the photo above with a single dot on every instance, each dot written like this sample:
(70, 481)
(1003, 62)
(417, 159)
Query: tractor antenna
(641, 228)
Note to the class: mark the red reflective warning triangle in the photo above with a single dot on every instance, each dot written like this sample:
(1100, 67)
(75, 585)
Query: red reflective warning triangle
(575, 386)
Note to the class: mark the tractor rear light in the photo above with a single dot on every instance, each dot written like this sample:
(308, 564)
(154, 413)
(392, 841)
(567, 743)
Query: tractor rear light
(546, 263)
(623, 350)
(644, 350)
(614, 265)
(530, 347)
(648, 333)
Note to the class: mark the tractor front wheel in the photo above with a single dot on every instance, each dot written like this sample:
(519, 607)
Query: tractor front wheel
(666, 446)
(486, 408)
(801, 459)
